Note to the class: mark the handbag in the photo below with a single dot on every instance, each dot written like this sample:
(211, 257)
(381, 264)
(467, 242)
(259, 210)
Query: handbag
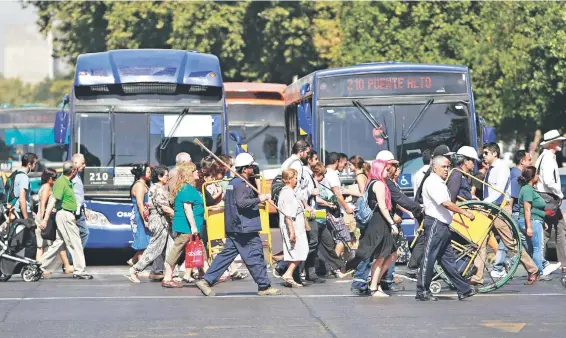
(552, 201)
(50, 231)
(194, 253)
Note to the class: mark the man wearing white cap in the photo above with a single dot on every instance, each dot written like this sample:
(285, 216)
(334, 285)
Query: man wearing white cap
(458, 184)
(549, 187)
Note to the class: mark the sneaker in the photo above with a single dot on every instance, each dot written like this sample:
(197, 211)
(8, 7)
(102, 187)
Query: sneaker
(203, 286)
(498, 274)
(426, 298)
(270, 292)
(550, 268)
(468, 294)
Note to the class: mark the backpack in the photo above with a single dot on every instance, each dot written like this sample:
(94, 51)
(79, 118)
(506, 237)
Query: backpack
(9, 194)
(277, 185)
(364, 212)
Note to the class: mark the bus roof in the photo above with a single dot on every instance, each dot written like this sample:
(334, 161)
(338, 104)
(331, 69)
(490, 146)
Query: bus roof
(146, 66)
(293, 91)
(254, 87)
(255, 93)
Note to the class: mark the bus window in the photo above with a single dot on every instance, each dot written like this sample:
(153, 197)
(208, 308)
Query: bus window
(262, 128)
(440, 124)
(346, 130)
(182, 140)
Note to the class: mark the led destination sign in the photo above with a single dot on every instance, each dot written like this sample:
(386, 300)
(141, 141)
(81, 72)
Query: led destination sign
(386, 84)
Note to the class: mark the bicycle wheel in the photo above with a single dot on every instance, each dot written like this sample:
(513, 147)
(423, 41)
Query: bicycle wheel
(500, 224)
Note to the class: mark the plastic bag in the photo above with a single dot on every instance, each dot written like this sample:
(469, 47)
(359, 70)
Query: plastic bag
(194, 253)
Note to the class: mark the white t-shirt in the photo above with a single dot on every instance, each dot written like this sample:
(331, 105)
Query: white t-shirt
(549, 178)
(435, 192)
(332, 180)
(301, 190)
(418, 178)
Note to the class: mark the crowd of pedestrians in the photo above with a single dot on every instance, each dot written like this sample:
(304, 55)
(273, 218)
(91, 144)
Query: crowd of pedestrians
(169, 207)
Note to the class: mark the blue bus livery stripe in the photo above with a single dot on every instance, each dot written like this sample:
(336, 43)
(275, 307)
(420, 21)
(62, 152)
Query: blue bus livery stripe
(29, 136)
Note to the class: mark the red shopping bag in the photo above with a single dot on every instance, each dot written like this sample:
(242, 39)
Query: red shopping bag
(194, 253)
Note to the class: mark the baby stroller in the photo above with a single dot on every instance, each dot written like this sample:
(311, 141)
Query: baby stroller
(18, 247)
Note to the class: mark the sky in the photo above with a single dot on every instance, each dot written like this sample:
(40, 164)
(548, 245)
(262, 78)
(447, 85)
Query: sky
(11, 12)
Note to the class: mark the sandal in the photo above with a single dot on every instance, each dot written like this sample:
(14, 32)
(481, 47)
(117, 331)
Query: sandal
(171, 284)
(133, 277)
(378, 293)
(238, 275)
(339, 274)
(290, 282)
(532, 279)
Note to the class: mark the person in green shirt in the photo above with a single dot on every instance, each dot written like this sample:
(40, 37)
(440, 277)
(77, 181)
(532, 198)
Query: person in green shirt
(531, 214)
(67, 229)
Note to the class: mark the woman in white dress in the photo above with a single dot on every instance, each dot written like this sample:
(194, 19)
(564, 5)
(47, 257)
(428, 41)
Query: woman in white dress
(293, 227)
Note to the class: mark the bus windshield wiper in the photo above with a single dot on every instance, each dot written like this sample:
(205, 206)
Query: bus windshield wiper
(167, 139)
(372, 121)
(418, 118)
(256, 133)
(113, 135)
(370, 118)
(405, 136)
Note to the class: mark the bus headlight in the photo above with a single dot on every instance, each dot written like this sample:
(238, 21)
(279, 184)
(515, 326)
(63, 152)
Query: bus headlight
(95, 218)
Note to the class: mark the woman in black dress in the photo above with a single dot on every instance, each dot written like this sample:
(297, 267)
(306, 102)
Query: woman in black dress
(377, 242)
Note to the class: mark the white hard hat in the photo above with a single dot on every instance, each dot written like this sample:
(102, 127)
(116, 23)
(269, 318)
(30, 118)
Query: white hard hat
(386, 155)
(243, 160)
(469, 152)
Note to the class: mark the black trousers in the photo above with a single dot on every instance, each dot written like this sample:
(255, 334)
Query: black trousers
(417, 253)
(438, 248)
(314, 239)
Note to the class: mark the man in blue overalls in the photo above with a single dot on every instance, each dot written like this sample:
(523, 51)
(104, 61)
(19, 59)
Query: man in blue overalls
(242, 225)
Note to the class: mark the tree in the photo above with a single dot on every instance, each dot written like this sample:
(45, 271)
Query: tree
(134, 24)
(77, 26)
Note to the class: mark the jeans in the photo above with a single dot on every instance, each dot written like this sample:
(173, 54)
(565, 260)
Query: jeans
(360, 282)
(388, 276)
(537, 240)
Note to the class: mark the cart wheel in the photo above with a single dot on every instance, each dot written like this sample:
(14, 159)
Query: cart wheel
(4, 278)
(38, 275)
(29, 273)
(563, 281)
(435, 287)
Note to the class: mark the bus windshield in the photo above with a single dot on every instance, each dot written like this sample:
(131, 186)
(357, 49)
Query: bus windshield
(23, 131)
(346, 130)
(262, 128)
(140, 138)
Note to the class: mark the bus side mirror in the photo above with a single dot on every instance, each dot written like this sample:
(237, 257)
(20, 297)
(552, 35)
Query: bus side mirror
(305, 89)
(61, 126)
(488, 134)
(60, 129)
(236, 137)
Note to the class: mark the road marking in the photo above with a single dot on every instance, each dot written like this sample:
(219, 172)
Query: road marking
(504, 326)
(253, 296)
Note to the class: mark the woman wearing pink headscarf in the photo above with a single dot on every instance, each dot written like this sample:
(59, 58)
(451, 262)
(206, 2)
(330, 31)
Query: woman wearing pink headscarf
(377, 242)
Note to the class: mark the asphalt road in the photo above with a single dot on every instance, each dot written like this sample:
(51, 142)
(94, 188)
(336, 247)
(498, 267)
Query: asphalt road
(111, 306)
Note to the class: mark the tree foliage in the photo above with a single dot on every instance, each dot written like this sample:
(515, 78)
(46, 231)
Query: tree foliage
(516, 51)
(15, 92)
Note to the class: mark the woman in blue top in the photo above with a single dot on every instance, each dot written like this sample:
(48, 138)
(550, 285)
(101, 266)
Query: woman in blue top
(188, 217)
(531, 214)
(139, 218)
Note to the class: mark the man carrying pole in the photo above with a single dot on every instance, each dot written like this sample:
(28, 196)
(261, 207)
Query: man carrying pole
(242, 225)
